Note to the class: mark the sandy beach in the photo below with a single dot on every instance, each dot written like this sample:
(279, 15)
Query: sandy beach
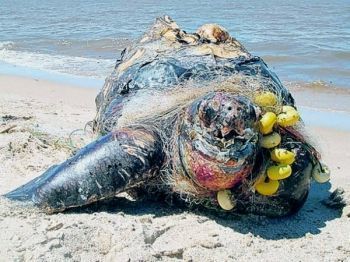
(37, 119)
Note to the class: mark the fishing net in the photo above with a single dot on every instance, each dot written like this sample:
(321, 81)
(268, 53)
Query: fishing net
(158, 78)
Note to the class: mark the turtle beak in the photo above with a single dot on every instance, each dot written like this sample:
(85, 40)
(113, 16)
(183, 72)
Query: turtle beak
(225, 131)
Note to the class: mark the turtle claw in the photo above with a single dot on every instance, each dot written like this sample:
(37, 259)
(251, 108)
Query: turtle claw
(336, 200)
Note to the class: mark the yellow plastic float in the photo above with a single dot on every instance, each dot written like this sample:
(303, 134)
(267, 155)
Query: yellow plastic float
(265, 99)
(321, 173)
(279, 172)
(288, 117)
(267, 188)
(267, 122)
(283, 156)
(224, 199)
(270, 141)
(288, 108)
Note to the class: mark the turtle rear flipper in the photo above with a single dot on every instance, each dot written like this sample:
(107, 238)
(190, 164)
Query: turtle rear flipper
(107, 166)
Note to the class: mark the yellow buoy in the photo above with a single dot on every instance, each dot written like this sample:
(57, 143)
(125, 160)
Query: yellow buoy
(279, 172)
(267, 188)
(321, 173)
(288, 108)
(266, 122)
(225, 200)
(283, 156)
(288, 117)
(265, 99)
(260, 179)
(270, 141)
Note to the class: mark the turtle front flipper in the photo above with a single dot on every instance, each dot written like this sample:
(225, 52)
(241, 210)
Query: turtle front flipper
(102, 169)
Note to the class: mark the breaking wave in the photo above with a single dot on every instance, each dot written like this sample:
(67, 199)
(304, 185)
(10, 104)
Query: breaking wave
(97, 68)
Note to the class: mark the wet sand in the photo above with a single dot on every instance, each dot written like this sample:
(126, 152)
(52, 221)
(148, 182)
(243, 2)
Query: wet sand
(36, 124)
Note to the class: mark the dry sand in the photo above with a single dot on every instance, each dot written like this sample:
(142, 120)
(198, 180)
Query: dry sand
(41, 115)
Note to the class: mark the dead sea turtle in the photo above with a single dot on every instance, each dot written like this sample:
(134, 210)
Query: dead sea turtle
(195, 117)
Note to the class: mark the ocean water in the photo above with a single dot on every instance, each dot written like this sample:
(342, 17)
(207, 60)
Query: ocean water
(303, 41)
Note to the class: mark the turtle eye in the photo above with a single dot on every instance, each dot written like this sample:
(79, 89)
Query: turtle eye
(208, 111)
(209, 116)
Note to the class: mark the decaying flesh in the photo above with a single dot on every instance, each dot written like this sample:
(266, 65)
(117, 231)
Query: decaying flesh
(177, 116)
(217, 140)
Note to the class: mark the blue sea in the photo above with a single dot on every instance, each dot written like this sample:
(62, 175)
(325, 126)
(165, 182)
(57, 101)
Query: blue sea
(303, 41)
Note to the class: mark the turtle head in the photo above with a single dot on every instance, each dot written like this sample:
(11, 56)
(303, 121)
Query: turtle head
(218, 140)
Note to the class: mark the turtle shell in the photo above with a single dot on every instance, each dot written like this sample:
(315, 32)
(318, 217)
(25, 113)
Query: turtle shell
(168, 67)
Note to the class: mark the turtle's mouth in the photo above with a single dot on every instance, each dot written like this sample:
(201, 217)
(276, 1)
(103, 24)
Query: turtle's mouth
(218, 140)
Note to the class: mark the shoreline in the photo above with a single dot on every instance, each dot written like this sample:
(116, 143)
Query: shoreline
(7, 69)
(327, 102)
(44, 114)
